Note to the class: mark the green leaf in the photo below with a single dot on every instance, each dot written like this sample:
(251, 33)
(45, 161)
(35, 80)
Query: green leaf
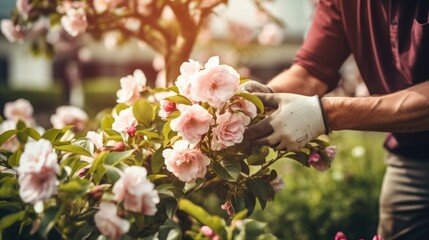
(51, 134)
(170, 230)
(143, 112)
(166, 133)
(300, 157)
(157, 161)
(14, 159)
(121, 106)
(112, 173)
(97, 168)
(179, 99)
(228, 169)
(74, 149)
(31, 132)
(76, 188)
(249, 201)
(257, 158)
(214, 222)
(22, 138)
(107, 122)
(112, 135)
(113, 158)
(20, 125)
(7, 135)
(85, 143)
(49, 220)
(169, 190)
(255, 100)
(261, 189)
(10, 219)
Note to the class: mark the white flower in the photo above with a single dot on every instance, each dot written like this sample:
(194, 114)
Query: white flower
(21, 109)
(131, 86)
(108, 222)
(74, 22)
(136, 191)
(38, 169)
(69, 115)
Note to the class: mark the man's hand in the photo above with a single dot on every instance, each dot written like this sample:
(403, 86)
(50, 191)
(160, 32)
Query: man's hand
(297, 120)
(255, 86)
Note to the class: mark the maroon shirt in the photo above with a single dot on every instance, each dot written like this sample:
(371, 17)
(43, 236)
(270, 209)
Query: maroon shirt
(390, 42)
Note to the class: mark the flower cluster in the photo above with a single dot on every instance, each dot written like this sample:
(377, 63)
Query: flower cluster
(157, 152)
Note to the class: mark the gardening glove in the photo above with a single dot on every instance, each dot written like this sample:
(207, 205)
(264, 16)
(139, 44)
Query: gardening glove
(255, 86)
(297, 120)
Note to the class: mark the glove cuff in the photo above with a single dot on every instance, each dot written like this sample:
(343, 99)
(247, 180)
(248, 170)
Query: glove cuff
(325, 119)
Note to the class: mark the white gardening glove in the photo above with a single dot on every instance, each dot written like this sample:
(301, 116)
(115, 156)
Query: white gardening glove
(297, 120)
(255, 86)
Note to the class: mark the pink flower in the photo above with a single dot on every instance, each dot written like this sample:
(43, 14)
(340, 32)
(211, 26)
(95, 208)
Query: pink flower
(13, 33)
(277, 184)
(12, 144)
(167, 108)
(184, 162)
(37, 171)
(108, 222)
(96, 138)
(229, 130)
(74, 22)
(340, 236)
(144, 7)
(208, 3)
(23, 7)
(271, 34)
(21, 109)
(377, 237)
(103, 5)
(69, 115)
(194, 121)
(131, 86)
(136, 191)
(188, 71)
(316, 161)
(227, 206)
(216, 84)
(246, 106)
(331, 152)
(125, 121)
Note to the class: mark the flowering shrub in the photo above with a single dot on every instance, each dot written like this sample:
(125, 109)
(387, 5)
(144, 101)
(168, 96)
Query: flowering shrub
(154, 155)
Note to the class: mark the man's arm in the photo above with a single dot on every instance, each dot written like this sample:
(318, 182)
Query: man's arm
(402, 111)
(299, 81)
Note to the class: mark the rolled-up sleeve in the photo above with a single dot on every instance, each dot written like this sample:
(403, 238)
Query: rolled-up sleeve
(325, 48)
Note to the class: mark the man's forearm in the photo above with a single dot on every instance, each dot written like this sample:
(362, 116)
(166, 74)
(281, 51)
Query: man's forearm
(403, 111)
(297, 80)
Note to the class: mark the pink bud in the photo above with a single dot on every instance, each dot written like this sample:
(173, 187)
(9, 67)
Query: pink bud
(314, 158)
(132, 131)
(377, 237)
(207, 231)
(227, 206)
(331, 151)
(340, 236)
(119, 147)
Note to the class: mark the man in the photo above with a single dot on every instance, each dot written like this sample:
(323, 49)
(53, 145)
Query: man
(390, 42)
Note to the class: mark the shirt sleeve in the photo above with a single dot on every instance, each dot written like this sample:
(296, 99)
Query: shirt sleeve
(325, 48)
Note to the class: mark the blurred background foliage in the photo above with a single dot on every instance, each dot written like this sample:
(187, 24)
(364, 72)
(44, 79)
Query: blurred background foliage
(316, 205)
